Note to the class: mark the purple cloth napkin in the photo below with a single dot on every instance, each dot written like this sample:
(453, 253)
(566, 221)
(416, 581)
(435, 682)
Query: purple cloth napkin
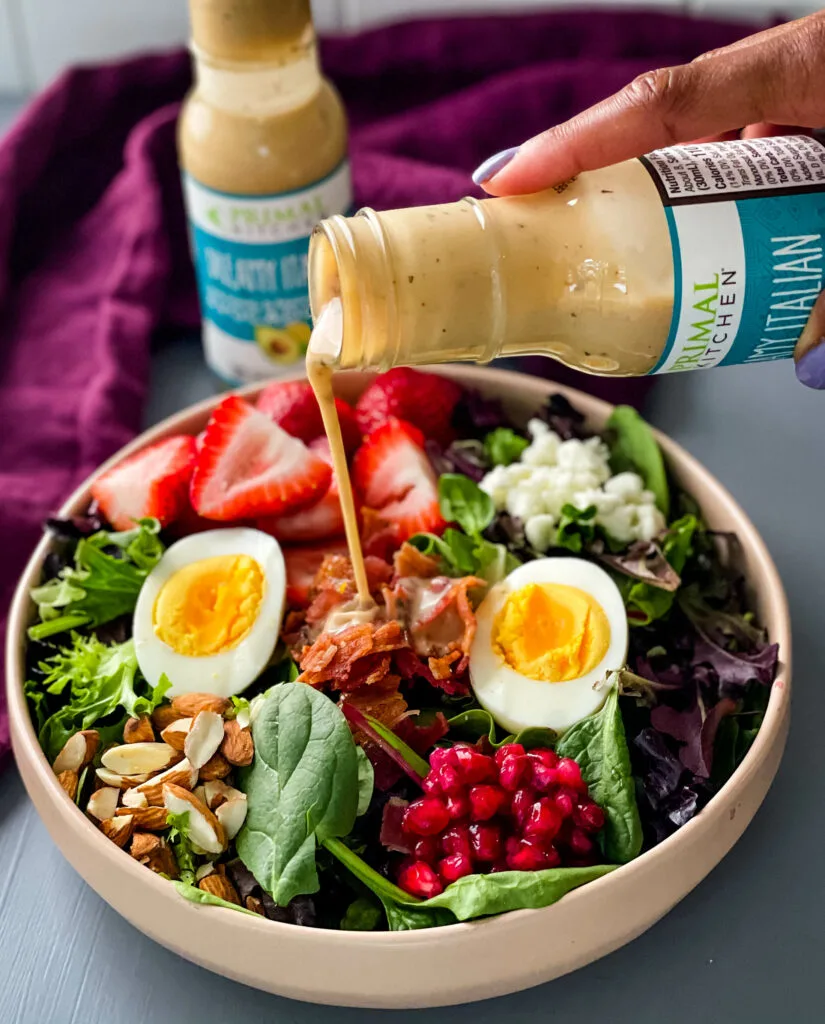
(94, 265)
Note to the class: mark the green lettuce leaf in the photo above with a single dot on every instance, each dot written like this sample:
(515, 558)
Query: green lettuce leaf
(195, 895)
(99, 587)
(462, 501)
(503, 446)
(178, 839)
(646, 603)
(86, 682)
(635, 449)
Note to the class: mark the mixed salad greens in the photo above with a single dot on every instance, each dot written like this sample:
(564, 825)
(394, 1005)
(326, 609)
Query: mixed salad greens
(359, 782)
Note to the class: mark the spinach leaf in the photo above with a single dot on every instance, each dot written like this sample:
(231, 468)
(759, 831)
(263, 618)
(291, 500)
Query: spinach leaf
(463, 502)
(302, 787)
(196, 895)
(366, 782)
(91, 681)
(470, 897)
(599, 745)
(100, 586)
(476, 722)
(503, 446)
(178, 839)
(635, 448)
(362, 916)
(455, 549)
(646, 603)
(493, 561)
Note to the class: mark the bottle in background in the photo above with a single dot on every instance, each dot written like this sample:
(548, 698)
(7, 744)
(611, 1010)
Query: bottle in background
(262, 142)
(692, 257)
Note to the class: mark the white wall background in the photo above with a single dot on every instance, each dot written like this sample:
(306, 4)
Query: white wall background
(38, 38)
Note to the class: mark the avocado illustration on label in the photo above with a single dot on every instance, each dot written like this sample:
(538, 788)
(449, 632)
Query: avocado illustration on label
(283, 344)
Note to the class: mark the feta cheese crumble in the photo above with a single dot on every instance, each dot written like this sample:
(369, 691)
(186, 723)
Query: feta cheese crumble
(553, 473)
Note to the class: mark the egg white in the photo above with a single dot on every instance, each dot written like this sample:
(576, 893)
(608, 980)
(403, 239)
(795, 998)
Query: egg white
(518, 702)
(231, 671)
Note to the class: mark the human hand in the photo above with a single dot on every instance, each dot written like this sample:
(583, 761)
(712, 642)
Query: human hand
(770, 83)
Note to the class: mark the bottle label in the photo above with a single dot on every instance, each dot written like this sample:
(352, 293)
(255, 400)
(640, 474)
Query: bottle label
(250, 256)
(746, 221)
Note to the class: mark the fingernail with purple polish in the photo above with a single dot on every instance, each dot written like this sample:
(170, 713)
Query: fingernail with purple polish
(493, 164)
(810, 370)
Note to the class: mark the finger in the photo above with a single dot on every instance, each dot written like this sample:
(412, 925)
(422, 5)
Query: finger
(763, 130)
(771, 78)
(810, 349)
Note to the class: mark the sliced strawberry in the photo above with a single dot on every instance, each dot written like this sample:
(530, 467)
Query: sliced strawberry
(153, 482)
(426, 400)
(293, 406)
(302, 564)
(392, 473)
(249, 467)
(323, 519)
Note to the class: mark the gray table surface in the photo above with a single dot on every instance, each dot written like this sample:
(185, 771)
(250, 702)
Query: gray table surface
(745, 946)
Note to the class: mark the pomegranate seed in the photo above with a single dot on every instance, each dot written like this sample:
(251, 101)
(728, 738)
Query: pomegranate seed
(508, 750)
(589, 817)
(569, 774)
(528, 857)
(454, 867)
(456, 840)
(543, 820)
(441, 756)
(500, 865)
(427, 849)
(546, 756)
(553, 857)
(425, 817)
(431, 785)
(458, 807)
(486, 841)
(419, 879)
(449, 779)
(512, 770)
(472, 766)
(485, 802)
(580, 843)
(565, 802)
(542, 777)
(521, 803)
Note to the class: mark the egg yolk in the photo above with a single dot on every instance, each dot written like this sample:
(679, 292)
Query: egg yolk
(552, 632)
(209, 606)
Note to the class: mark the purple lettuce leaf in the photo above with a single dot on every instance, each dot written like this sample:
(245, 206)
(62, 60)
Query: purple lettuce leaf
(694, 728)
(564, 419)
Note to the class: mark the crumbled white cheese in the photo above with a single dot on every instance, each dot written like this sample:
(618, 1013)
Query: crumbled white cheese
(553, 473)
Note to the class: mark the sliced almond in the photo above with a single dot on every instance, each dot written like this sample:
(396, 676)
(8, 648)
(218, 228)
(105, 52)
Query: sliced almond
(217, 767)
(216, 792)
(134, 798)
(204, 738)
(237, 746)
(204, 870)
(232, 815)
(119, 781)
(139, 758)
(150, 819)
(164, 716)
(205, 830)
(154, 852)
(139, 730)
(220, 886)
(255, 905)
(119, 830)
(191, 704)
(77, 752)
(68, 782)
(103, 803)
(181, 774)
(200, 793)
(244, 718)
(176, 732)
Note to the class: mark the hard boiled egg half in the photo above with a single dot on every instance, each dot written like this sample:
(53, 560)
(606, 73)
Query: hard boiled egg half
(209, 613)
(546, 637)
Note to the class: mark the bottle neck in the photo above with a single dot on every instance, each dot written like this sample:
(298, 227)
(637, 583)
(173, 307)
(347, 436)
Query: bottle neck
(258, 89)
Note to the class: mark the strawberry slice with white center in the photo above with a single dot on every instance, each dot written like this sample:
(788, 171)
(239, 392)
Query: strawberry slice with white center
(323, 519)
(249, 467)
(153, 482)
(394, 477)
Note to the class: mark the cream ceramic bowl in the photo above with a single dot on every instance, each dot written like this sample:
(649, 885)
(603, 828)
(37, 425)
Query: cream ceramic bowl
(464, 962)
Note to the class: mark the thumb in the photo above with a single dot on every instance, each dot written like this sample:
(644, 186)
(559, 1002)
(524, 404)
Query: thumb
(809, 353)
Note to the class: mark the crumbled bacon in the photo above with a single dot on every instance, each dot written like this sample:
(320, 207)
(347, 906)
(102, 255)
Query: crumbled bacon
(409, 561)
(335, 585)
(359, 655)
(440, 619)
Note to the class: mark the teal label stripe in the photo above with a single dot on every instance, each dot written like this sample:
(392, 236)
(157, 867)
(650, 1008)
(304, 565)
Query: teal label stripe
(676, 251)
